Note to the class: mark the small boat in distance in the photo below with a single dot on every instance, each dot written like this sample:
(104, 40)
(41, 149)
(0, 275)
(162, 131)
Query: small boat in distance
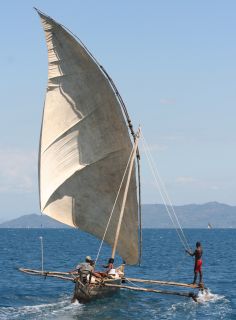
(209, 226)
(88, 177)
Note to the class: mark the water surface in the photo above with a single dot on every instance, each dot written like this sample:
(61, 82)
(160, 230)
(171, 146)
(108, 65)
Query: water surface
(29, 297)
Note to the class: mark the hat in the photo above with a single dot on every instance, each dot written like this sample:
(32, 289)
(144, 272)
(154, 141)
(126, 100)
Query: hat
(88, 258)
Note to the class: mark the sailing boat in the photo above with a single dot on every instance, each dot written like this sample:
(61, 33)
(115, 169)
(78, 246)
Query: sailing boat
(85, 147)
(87, 170)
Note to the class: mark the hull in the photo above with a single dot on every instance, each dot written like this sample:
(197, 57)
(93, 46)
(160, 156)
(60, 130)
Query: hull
(87, 292)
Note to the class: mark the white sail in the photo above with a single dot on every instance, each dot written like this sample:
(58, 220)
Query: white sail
(85, 145)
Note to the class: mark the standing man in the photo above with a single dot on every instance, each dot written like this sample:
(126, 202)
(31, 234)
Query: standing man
(198, 262)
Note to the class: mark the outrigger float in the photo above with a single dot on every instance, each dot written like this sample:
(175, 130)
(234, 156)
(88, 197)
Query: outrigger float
(88, 158)
(98, 288)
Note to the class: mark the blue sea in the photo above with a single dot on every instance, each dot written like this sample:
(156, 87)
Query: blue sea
(30, 297)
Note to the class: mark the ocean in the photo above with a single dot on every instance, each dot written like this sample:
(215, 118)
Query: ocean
(30, 297)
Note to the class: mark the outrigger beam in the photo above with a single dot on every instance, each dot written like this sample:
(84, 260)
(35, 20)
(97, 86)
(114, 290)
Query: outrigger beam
(167, 283)
(184, 294)
(60, 275)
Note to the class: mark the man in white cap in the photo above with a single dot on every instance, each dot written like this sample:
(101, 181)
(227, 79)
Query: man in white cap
(84, 269)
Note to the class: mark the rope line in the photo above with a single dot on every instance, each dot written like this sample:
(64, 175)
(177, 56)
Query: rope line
(173, 210)
(162, 190)
(134, 284)
(171, 216)
(163, 199)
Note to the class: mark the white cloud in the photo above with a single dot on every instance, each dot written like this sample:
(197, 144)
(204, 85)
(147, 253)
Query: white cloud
(18, 170)
(167, 101)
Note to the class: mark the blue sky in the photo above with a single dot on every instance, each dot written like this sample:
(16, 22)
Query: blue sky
(174, 65)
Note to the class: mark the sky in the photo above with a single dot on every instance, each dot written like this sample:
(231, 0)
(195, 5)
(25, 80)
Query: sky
(174, 65)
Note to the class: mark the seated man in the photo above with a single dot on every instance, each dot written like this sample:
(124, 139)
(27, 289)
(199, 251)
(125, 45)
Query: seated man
(84, 269)
(109, 266)
(94, 273)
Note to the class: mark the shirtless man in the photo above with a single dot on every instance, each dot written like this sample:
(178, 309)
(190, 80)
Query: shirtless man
(109, 266)
(198, 262)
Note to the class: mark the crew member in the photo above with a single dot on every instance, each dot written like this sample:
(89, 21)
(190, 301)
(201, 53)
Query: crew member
(198, 262)
(84, 269)
(109, 266)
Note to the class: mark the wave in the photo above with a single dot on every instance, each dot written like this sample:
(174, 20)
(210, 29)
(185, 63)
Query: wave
(48, 311)
(207, 296)
(212, 305)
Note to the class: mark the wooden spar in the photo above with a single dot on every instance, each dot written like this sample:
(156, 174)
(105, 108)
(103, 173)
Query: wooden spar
(160, 282)
(184, 294)
(48, 272)
(125, 195)
(58, 275)
(140, 208)
(166, 283)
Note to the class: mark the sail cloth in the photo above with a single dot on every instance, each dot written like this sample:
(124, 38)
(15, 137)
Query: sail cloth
(85, 145)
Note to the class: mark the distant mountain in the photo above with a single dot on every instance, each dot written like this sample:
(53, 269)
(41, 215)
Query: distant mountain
(153, 216)
(190, 216)
(33, 221)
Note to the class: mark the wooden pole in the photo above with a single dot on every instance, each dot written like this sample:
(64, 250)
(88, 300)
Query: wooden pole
(59, 275)
(166, 283)
(125, 195)
(48, 272)
(140, 209)
(184, 294)
(41, 241)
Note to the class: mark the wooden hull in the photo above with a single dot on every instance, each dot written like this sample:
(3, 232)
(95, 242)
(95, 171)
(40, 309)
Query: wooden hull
(86, 293)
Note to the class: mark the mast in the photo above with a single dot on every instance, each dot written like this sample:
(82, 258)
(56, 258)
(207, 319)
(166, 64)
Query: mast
(125, 194)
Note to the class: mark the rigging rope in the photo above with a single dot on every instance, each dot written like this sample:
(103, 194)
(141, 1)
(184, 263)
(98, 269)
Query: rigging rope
(162, 190)
(118, 193)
